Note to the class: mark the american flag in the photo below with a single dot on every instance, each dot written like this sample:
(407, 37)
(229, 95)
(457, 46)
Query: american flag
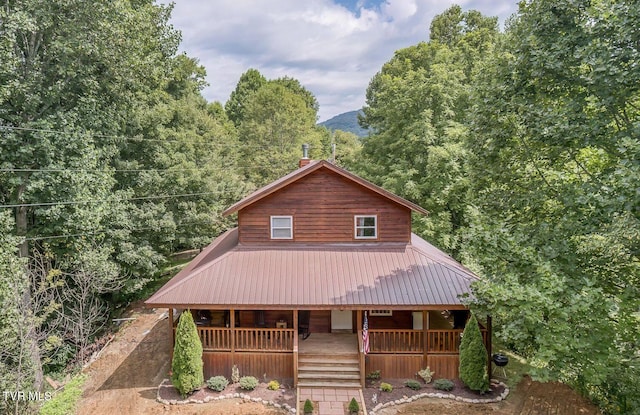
(365, 334)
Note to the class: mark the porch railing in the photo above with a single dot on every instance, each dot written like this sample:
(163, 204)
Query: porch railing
(395, 341)
(257, 339)
(246, 339)
(412, 341)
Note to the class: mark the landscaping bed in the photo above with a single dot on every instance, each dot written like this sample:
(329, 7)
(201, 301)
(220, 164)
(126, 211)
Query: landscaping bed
(284, 397)
(400, 392)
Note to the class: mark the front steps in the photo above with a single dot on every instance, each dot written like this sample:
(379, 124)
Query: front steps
(329, 370)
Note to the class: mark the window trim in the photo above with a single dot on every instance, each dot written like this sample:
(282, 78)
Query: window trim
(356, 227)
(272, 228)
(381, 313)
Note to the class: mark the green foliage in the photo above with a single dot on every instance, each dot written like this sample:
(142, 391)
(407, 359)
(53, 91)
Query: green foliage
(375, 375)
(413, 384)
(473, 358)
(443, 384)
(386, 387)
(416, 108)
(217, 383)
(249, 82)
(248, 382)
(273, 385)
(426, 374)
(308, 407)
(555, 227)
(186, 366)
(64, 402)
(235, 374)
(353, 407)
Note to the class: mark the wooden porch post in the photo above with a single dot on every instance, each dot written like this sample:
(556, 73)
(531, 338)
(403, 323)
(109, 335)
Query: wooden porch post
(488, 344)
(295, 348)
(361, 358)
(425, 335)
(173, 335)
(232, 325)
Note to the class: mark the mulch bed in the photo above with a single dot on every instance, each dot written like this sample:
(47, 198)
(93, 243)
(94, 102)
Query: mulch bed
(285, 395)
(401, 391)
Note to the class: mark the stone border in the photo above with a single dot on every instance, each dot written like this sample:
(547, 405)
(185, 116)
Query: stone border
(451, 396)
(167, 384)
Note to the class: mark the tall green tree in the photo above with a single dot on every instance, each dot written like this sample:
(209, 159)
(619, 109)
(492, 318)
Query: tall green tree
(554, 162)
(473, 358)
(249, 82)
(416, 107)
(277, 121)
(186, 366)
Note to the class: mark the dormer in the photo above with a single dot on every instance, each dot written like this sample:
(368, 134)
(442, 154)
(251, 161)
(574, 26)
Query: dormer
(321, 202)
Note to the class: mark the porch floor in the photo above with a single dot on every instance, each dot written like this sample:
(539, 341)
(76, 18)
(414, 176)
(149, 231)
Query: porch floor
(329, 343)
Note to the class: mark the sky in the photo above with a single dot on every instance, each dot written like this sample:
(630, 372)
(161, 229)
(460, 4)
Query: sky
(333, 47)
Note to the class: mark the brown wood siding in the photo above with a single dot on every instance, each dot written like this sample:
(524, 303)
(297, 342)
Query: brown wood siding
(323, 205)
(394, 366)
(444, 366)
(400, 319)
(406, 366)
(274, 365)
(320, 321)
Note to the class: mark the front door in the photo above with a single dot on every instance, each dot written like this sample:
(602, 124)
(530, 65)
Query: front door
(341, 321)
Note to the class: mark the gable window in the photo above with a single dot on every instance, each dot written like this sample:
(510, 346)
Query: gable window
(281, 227)
(366, 227)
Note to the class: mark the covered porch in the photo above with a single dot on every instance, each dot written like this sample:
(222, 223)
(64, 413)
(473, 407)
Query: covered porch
(269, 342)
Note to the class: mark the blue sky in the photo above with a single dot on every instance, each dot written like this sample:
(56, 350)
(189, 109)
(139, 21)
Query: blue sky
(333, 47)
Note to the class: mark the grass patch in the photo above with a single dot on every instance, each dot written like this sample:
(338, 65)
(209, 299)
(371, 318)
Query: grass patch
(65, 401)
(515, 369)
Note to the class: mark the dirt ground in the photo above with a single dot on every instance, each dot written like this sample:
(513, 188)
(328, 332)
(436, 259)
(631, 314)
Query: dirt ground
(125, 379)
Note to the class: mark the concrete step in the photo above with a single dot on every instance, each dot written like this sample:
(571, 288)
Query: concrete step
(328, 376)
(328, 368)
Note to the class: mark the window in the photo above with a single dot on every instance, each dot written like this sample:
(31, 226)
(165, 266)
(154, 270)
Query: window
(366, 227)
(281, 227)
(385, 313)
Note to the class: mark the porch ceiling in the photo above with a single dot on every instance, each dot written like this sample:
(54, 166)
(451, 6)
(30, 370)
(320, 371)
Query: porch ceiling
(350, 276)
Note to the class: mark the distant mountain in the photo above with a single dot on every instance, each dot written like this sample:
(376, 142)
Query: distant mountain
(347, 121)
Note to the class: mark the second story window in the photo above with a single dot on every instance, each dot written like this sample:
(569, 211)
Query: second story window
(281, 227)
(366, 227)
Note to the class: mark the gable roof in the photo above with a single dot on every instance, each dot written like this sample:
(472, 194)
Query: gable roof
(310, 168)
(349, 275)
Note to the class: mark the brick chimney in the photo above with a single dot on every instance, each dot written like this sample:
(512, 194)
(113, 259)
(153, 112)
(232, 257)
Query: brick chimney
(305, 156)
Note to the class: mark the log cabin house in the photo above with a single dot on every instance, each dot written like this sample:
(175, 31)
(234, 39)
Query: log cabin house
(285, 293)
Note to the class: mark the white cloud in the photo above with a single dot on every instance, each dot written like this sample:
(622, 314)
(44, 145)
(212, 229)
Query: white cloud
(331, 50)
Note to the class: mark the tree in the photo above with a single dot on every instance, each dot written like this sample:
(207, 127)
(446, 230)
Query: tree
(473, 358)
(276, 123)
(249, 82)
(416, 109)
(556, 224)
(186, 366)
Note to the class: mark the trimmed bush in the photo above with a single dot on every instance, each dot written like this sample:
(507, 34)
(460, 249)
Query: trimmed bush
(443, 384)
(413, 384)
(274, 385)
(375, 375)
(426, 374)
(473, 358)
(386, 387)
(354, 408)
(235, 374)
(186, 367)
(217, 383)
(248, 383)
(308, 407)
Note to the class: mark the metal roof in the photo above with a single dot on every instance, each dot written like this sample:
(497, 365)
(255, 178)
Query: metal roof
(349, 275)
(309, 168)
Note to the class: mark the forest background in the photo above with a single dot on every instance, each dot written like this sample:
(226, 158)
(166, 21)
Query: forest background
(523, 145)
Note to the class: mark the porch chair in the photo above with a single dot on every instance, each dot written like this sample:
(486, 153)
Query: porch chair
(303, 323)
